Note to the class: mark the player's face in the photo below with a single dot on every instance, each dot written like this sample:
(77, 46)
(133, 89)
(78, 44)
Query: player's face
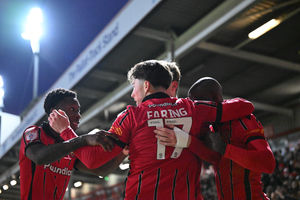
(138, 92)
(71, 107)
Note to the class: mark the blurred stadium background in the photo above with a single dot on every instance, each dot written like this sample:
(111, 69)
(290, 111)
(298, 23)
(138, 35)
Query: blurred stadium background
(206, 38)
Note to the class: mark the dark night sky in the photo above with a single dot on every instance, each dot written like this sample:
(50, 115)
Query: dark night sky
(70, 25)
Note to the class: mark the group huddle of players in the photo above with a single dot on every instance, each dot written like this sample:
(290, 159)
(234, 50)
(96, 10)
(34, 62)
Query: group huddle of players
(166, 138)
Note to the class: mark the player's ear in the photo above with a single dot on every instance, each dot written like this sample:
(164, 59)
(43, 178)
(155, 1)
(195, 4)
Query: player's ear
(146, 86)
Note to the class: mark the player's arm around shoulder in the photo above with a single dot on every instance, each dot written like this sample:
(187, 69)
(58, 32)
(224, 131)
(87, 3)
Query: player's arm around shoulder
(42, 152)
(257, 154)
(235, 108)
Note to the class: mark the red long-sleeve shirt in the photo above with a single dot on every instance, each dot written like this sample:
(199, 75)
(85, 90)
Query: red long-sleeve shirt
(48, 181)
(247, 155)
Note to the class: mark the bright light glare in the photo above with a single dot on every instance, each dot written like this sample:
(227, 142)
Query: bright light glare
(1, 81)
(124, 166)
(33, 28)
(2, 92)
(5, 187)
(92, 132)
(77, 184)
(263, 29)
(13, 182)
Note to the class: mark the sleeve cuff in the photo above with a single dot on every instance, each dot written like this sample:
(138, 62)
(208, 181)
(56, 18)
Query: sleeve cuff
(68, 134)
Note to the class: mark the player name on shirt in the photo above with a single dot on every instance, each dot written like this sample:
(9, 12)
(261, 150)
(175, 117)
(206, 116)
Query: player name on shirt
(168, 113)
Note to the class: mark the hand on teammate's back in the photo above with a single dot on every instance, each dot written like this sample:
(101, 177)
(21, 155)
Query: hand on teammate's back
(100, 138)
(218, 143)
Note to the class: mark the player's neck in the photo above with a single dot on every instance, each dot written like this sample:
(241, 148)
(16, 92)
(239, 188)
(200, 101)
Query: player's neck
(153, 90)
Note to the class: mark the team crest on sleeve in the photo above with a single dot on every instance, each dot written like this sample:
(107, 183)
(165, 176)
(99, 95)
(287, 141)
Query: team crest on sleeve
(31, 134)
(117, 130)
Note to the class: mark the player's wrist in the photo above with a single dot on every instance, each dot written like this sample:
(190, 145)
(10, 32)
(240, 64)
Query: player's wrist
(182, 138)
(65, 129)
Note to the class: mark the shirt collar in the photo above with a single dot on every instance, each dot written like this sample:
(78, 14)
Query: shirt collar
(157, 95)
(50, 132)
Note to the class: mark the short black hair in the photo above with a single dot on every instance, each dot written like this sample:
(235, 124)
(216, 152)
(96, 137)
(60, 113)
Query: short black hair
(206, 88)
(154, 71)
(54, 97)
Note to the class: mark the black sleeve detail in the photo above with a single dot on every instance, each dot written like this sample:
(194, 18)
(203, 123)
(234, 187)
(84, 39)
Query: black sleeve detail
(120, 123)
(255, 138)
(75, 165)
(243, 124)
(117, 141)
(206, 104)
(219, 113)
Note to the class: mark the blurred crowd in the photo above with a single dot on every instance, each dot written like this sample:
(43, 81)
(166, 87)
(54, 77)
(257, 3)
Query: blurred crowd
(284, 183)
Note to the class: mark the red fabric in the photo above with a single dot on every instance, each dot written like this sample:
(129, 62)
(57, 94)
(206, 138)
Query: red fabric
(240, 108)
(68, 134)
(43, 181)
(247, 156)
(204, 153)
(258, 157)
(88, 155)
(150, 177)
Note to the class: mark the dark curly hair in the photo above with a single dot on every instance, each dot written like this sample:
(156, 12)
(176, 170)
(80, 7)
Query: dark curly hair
(154, 71)
(55, 96)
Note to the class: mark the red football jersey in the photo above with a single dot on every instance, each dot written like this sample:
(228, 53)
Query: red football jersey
(233, 180)
(47, 181)
(156, 171)
(159, 172)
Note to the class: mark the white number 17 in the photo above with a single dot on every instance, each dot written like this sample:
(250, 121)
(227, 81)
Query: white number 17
(186, 123)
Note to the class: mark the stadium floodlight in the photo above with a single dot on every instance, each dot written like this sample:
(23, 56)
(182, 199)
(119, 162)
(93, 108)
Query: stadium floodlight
(264, 28)
(13, 182)
(124, 166)
(33, 32)
(5, 187)
(77, 184)
(33, 28)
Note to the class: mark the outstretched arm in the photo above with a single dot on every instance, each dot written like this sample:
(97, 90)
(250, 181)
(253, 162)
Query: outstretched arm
(44, 154)
(228, 110)
(257, 157)
(105, 169)
(91, 156)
